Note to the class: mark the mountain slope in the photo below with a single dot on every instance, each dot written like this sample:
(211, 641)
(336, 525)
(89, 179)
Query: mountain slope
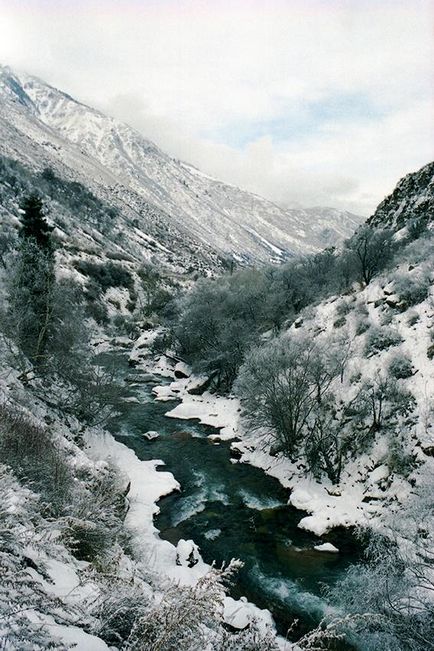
(411, 200)
(43, 126)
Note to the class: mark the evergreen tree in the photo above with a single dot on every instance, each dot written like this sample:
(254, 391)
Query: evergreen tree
(33, 284)
(34, 224)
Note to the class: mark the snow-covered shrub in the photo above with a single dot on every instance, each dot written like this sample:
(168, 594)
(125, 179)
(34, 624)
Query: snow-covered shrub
(323, 442)
(399, 460)
(339, 322)
(412, 291)
(379, 404)
(371, 249)
(282, 383)
(386, 317)
(419, 251)
(381, 338)
(122, 602)
(362, 325)
(95, 515)
(162, 342)
(185, 618)
(355, 377)
(252, 638)
(106, 274)
(400, 366)
(23, 598)
(34, 454)
(386, 601)
(412, 318)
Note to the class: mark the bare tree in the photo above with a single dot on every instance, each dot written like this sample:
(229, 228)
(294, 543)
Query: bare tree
(282, 384)
(372, 248)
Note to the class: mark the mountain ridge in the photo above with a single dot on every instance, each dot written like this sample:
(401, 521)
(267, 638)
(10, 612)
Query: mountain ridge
(231, 221)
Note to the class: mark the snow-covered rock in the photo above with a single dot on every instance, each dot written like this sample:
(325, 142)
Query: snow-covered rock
(326, 547)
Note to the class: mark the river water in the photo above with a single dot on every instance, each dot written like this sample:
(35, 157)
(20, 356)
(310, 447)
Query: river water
(231, 510)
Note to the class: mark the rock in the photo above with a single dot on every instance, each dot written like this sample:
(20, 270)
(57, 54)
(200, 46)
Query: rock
(327, 547)
(236, 453)
(151, 435)
(200, 387)
(187, 553)
(182, 371)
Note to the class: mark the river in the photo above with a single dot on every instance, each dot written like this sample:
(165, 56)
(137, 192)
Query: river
(231, 509)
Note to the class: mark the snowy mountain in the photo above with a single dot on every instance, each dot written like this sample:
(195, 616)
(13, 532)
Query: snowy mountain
(41, 126)
(411, 200)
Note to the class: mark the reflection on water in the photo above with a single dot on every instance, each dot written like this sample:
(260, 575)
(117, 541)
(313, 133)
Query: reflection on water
(232, 510)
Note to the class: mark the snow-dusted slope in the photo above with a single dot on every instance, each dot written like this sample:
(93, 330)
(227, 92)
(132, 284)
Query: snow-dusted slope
(412, 199)
(42, 125)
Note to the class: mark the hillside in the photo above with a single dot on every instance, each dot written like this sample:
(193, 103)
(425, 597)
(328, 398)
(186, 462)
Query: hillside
(172, 201)
(280, 410)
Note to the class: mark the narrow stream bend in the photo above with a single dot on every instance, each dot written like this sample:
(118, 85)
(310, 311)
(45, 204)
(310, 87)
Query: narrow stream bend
(231, 510)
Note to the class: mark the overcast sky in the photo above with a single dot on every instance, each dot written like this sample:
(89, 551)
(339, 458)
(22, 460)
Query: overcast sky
(311, 102)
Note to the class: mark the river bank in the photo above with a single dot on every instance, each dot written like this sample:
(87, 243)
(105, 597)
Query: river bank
(229, 509)
(357, 500)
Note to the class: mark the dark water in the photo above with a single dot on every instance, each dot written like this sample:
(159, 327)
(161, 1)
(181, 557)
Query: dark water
(232, 510)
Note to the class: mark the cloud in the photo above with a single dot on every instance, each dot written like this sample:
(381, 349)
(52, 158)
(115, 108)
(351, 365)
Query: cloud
(304, 101)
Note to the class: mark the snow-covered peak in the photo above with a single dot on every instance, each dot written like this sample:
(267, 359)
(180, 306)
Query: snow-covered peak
(224, 217)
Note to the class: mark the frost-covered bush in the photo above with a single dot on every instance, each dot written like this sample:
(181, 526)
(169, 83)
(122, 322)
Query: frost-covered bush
(122, 602)
(252, 638)
(412, 318)
(362, 325)
(343, 308)
(34, 454)
(399, 460)
(379, 404)
(95, 515)
(410, 290)
(105, 275)
(339, 322)
(23, 599)
(283, 382)
(187, 618)
(380, 338)
(419, 251)
(386, 601)
(386, 317)
(400, 367)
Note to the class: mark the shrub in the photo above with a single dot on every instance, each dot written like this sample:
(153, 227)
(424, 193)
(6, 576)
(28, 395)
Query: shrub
(386, 317)
(95, 516)
(363, 324)
(31, 451)
(284, 382)
(340, 321)
(343, 308)
(98, 311)
(106, 275)
(412, 291)
(381, 338)
(412, 318)
(400, 367)
(22, 528)
(399, 460)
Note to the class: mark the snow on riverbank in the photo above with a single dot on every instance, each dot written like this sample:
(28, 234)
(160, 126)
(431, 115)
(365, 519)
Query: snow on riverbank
(360, 496)
(147, 486)
(373, 482)
(326, 510)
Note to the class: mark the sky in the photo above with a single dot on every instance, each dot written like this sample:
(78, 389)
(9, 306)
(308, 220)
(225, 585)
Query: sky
(306, 102)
